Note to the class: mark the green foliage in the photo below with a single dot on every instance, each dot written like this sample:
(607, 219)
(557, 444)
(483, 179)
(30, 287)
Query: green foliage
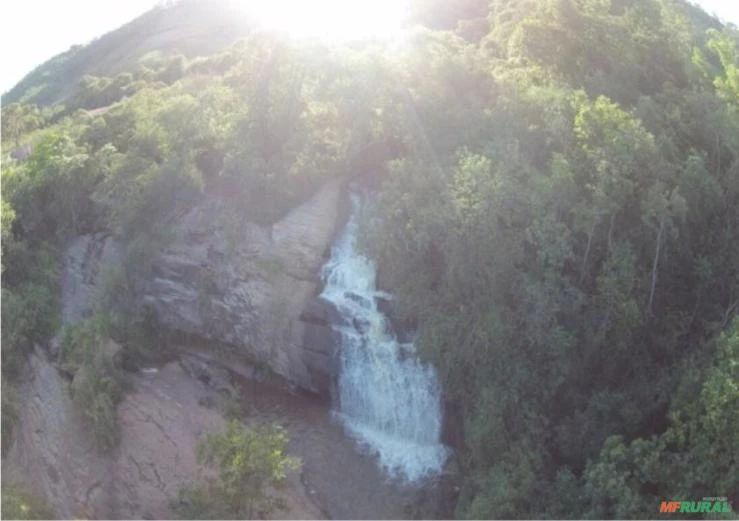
(97, 395)
(98, 380)
(233, 407)
(252, 466)
(696, 456)
(562, 226)
(191, 28)
(81, 342)
(197, 502)
(18, 119)
(726, 47)
(29, 308)
(18, 503)
(555, 250)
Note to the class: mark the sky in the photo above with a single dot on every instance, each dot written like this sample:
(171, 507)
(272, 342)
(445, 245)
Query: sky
(32, 31)
(726, 10)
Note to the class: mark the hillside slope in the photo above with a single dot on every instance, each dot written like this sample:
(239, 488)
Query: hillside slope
(561, 230)
(190, 27)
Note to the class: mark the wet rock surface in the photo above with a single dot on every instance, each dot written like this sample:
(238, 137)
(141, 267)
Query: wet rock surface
(321, 312)
(339, 474)
(321, 344)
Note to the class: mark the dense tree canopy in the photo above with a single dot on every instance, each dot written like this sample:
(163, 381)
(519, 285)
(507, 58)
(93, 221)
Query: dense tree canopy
(563, 227)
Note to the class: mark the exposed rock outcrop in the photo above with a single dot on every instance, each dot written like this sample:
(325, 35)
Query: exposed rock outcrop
(242, 287)
(321, 343)
(22, 152)
(86, 261)
(321, 356)
(53, 451)
(245, 287)
(405, 329)
(212, 375)
(161, 421)
(321, 312)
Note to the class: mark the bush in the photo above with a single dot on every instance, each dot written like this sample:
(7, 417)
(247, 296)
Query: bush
(98, 380)
(29, 314)
(80, 342)
(96, 390)
(252, 464)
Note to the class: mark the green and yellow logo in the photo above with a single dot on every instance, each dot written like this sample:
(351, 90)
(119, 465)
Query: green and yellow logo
(708, 505)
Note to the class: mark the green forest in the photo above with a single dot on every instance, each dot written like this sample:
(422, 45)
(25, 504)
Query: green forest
(562, 228)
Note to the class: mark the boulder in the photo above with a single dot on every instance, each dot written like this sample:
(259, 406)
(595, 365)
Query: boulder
(321, 312)
(321, 356)
(210, 374)
(404, 329)
(22, 152)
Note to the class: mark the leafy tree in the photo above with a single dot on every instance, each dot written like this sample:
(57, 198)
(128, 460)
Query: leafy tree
(19, 119)
(661, 210)
(560, 227)
(696, 456)
(252, 464)
(725, 47)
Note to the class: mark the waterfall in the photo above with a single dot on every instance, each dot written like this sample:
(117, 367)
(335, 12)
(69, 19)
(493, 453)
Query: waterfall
(386, 397)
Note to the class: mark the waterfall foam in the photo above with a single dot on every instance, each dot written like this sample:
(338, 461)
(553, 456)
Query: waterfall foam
(386, 398)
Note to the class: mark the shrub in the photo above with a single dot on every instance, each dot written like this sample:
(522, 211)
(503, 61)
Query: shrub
(80, 342)
(98, 380)
(96, 390)
(252, 465)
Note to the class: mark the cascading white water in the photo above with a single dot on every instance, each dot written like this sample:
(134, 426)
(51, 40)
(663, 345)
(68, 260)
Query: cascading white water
(387, 398)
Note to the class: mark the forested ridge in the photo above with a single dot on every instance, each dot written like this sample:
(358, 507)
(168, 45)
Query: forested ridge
(562, 229)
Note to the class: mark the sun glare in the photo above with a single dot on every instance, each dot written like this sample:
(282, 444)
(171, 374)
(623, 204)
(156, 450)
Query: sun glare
(331, 20)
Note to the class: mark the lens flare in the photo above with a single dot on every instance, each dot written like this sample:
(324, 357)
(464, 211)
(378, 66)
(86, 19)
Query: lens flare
(331, 20)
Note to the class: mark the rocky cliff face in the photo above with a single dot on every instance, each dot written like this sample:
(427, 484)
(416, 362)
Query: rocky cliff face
(161, 421)
(53, 452)
(244, 287)
(86, 260)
